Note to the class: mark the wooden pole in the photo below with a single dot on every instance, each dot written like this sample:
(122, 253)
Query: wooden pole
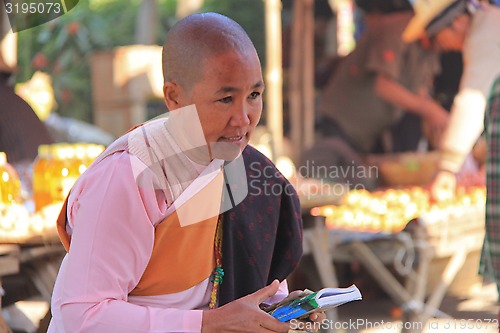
(308, 76)
(188, 7)
(295, 78)
(146, 23)
(301, 91)
(8, 48)
(274, 75)
(8, 40)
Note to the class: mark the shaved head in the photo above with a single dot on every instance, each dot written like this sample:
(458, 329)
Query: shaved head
(196, 38)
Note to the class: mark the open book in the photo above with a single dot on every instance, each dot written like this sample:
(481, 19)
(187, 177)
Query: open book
(300, 305)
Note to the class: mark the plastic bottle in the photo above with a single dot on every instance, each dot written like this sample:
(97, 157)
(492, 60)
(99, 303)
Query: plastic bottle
(41, 177)
(10, 185)
(65, 173)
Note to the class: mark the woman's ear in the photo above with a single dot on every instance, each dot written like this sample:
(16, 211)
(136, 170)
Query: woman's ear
(172, 93)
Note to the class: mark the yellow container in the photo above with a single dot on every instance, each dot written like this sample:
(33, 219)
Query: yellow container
(57, 168)
(62, 174)
(10, 185)
(41, 178)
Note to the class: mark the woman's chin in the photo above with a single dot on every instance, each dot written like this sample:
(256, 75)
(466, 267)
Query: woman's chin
(227, 151)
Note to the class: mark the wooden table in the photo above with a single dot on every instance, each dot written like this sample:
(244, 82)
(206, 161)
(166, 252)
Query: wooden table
(39, 256)
(316, 243)
(314, 193)
(9, 264)
(420, 241)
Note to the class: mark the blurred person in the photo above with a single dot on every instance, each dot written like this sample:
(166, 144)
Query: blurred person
(374, 84)
(406, 133)
(470, 26)
(372, 87)
(21, 131)
(137, 261)
(490, 257)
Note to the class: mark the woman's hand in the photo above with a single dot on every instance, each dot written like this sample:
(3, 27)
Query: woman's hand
(313, 325)
(244, 315)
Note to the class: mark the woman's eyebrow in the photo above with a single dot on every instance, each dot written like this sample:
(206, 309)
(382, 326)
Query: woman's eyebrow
(230, 89)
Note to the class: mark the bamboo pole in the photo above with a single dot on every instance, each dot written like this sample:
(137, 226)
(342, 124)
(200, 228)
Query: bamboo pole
(295, 77)
(274, 74)
(188, 7)
(8, 40)
(308, 76)
(8, 48)
(146, 23)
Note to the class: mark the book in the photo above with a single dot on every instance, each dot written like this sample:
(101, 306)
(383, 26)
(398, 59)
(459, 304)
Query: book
(301, 305)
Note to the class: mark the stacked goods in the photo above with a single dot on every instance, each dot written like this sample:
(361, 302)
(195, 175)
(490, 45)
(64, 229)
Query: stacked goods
(17, 225)
(55, 170)
(391, 210)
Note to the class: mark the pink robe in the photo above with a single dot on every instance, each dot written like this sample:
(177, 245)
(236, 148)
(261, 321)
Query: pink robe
(91, 293)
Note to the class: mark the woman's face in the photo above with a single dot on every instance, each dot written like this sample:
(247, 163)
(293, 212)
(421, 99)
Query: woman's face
(228, 98)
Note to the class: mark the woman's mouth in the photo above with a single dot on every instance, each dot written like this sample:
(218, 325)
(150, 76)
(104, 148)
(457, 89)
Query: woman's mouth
(228, 147)
(234, 139)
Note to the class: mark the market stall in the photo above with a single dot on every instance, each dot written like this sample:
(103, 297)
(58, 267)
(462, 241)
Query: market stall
(9, 264)
(30, 203)
(397, 234)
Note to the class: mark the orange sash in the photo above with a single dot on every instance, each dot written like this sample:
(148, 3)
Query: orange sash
(183, 255)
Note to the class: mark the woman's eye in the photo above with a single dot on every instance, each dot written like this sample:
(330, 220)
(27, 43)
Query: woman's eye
(254, 95)
(227, 99)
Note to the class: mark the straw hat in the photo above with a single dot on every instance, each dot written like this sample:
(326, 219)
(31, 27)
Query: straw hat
(430, 11)
(4, 67)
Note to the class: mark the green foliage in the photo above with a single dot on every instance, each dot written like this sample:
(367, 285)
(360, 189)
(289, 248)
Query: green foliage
(62, 47)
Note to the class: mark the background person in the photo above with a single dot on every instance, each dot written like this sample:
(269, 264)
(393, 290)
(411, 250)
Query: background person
(490, 256)
(471, 26)
(472, 29)
(21, 131)
(371, 88)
